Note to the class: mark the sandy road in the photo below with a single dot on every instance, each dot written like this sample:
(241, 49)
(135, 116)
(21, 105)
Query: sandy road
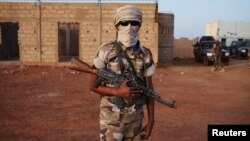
(50, 103)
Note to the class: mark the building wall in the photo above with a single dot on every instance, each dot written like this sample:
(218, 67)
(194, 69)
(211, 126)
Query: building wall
(228, 30)
(85, 14)
(183, 48)
(39, 42)
(26, 14)
(166, 37)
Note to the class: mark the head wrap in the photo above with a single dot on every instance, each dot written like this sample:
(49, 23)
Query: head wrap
(128, 12)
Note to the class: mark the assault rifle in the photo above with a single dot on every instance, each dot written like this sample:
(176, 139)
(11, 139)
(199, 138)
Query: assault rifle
(110, 76)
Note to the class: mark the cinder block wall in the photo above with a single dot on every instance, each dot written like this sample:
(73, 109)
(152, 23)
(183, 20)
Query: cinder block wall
(27, 15)
(166, 37)
(39, 42)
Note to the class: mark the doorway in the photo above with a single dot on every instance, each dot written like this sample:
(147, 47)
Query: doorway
(68, 41)
(9, 47)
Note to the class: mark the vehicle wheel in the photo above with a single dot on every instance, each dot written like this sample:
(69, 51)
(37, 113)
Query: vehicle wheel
(205, 61)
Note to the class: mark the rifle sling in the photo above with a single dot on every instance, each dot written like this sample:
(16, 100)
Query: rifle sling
(121, 52)
(119, 100)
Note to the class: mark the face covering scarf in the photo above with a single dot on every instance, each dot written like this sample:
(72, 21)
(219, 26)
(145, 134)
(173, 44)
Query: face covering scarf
(128, 35)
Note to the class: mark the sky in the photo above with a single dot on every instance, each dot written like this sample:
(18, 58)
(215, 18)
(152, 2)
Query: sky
(191, 16)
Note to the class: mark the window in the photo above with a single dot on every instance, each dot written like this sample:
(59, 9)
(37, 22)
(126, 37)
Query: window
(240, 39)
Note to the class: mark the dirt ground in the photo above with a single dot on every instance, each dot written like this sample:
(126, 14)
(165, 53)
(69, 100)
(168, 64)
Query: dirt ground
(41, 103)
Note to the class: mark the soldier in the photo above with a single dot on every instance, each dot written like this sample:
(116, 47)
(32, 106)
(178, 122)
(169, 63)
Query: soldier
(218, 64)
(121, 107)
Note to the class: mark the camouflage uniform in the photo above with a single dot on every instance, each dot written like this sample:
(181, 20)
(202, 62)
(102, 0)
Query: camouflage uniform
(124, 123)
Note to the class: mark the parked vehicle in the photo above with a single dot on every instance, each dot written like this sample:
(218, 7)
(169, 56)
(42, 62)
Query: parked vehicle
(203, 52)
(206, 38)
(225, 56)
(239, 49)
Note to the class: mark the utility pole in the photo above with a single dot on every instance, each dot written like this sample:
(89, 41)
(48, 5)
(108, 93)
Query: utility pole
(100, 21)
(39, 29)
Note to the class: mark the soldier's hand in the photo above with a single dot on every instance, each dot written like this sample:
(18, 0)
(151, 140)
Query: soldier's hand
(146, 131)
(128, 92)
(137, 92)
(124, 90)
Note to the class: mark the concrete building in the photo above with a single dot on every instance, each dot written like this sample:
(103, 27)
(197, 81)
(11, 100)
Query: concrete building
(166, 37)
(227, 32)
(53, 31)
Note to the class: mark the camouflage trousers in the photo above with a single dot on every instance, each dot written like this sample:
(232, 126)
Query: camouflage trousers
(120, 124)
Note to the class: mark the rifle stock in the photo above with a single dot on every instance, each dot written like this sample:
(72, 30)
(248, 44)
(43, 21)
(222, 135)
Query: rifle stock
(79, 65)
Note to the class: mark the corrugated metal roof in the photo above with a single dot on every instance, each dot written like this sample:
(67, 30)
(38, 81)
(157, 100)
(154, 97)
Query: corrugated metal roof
(83, 1)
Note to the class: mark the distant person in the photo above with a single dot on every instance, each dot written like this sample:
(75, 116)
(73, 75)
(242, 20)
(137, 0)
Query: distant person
(218, 64)
(196, 44)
